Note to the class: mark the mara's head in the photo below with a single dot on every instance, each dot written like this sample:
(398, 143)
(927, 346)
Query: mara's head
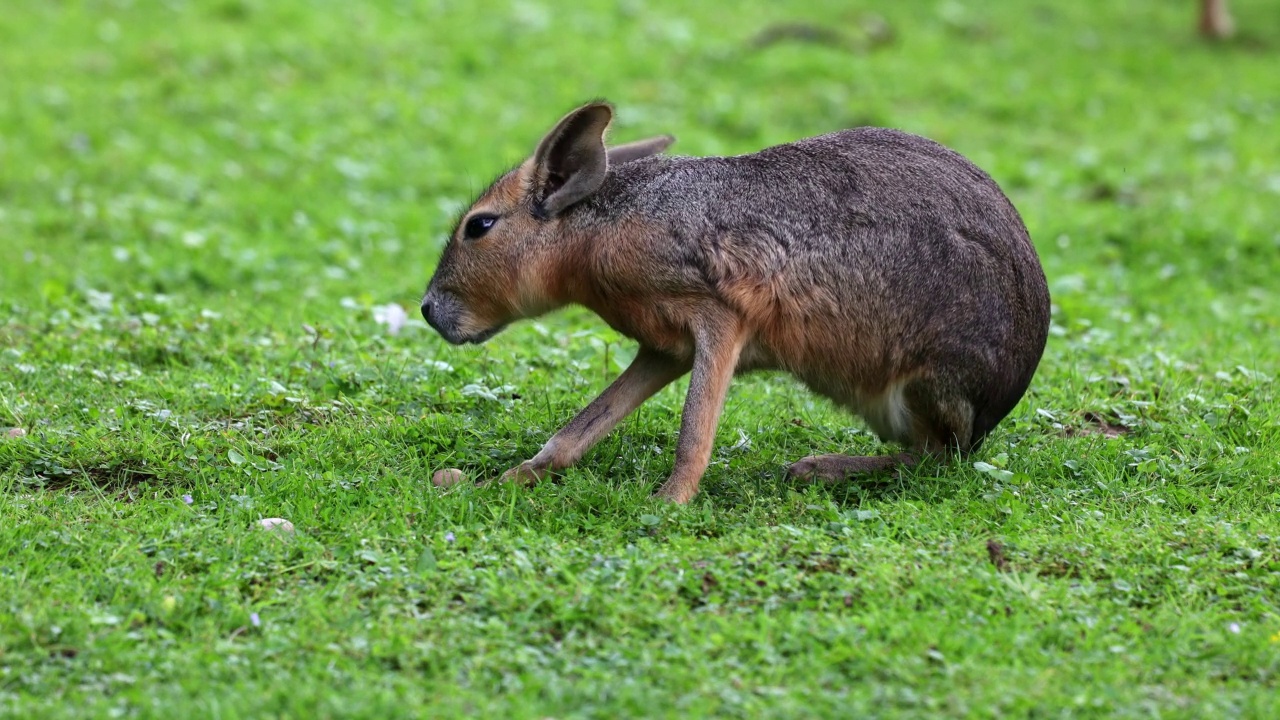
(500, 262)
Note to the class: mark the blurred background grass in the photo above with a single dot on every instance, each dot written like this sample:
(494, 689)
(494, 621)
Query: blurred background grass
(292, 152)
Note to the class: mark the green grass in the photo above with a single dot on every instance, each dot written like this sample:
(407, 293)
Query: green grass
(202, 202)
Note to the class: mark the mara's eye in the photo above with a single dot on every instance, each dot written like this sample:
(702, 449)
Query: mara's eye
(478, 226)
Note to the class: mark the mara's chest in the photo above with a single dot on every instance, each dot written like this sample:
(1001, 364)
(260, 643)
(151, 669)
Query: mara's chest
(660, 324)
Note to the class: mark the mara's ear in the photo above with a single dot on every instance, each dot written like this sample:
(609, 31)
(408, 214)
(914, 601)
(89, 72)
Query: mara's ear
(570, 162)
(627, 152)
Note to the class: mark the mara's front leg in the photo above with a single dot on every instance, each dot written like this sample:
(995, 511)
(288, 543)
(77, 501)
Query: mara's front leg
(716, 352)
(647, 374)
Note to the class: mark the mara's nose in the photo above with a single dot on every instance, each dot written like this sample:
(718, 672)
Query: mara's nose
(426, 310)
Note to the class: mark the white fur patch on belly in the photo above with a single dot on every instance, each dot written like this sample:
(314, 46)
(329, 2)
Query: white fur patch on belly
(888, 414)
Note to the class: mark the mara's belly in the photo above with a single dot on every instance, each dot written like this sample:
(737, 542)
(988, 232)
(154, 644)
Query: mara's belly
(852, 374)
(883, 407)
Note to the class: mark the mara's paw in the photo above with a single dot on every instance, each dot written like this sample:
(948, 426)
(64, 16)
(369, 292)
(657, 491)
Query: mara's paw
(526, 473)
(677, 491)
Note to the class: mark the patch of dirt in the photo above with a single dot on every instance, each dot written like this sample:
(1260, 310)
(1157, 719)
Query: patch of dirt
(1059, 569)
(824, 563)
(995, 551)
(870, 33)
(798, 32)
(1097, 424)
(119, 476)
(709, 583)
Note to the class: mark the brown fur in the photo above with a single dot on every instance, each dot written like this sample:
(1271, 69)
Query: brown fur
(883, 270)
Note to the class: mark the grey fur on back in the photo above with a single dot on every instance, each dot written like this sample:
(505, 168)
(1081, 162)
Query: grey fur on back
(887, 238)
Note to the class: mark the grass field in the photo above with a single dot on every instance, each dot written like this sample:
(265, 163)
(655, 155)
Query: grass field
(202, 204)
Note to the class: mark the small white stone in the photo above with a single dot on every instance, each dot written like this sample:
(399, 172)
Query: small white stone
(276, 525)
(15, 433)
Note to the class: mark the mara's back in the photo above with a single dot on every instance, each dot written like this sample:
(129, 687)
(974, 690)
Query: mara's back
(860, 257)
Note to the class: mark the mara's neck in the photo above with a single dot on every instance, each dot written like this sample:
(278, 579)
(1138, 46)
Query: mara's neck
(565, 273)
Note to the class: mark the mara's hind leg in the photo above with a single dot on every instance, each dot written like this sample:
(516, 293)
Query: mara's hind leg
(834, 468)
(928, 416)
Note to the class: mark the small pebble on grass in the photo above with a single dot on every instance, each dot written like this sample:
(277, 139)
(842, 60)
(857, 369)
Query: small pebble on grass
(279, 525)
(448, 477)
